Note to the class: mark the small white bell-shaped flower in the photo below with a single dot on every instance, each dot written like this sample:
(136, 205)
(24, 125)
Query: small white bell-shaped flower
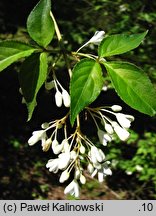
(58, 98)
(66, 98)
(96, 39)
(64, 160)
(122, 133)
(82, 149)
(101, 137)
(82, 179)
(64, 176)
(46, 145)
(109, 128)
(53, 165)
(90, 168)
(73, 189)
(97, 155)
(123, 120)
(37, 136)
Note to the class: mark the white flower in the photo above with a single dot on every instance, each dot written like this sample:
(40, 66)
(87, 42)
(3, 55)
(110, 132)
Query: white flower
(122, 133)
(96, 39)
(116, 108)
(96, 155)
(82, 149)
(58, 98)
(66, 98)
(109, 128)
(64, 160)
(90, 168)
(61, 163)
(101, 136)
(73, 155)
(64, 176)
(77, 173)
(56, 147)
(46, 145)
(124, 120)
(49, 85)
(66, 146)
(73, 189)
(82, 179)
(37, 136)
(53, 165)
(102, 172)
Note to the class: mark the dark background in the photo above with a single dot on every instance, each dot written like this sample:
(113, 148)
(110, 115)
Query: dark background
(22, 169)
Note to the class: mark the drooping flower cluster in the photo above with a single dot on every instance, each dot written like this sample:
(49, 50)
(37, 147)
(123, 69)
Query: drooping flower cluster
(70, 152)
(118, 126)
(74, 148)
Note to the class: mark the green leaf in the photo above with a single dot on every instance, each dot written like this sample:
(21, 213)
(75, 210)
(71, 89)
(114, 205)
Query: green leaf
(120, 43)
(40, 24)
(11, 51)
(86, 84)
(32, 76)
(133, 86)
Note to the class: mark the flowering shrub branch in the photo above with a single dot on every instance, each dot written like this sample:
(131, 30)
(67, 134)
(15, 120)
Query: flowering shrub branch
(76, 152)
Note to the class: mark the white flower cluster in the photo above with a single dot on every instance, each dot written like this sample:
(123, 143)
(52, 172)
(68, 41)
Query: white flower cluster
(111, 127)
(71, 151)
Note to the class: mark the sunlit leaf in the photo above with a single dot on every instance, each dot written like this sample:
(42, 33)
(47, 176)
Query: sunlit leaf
(11, 51)
(120, 43)
(85, 86)
(133, 86)
(40, 24)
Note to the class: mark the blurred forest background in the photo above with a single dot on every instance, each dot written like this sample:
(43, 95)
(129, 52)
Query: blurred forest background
(22, 169)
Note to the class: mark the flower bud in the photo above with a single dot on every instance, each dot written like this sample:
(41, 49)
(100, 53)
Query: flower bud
(97, 38)
(66, 98)
(66, 146)
(73, 155)
(90, 168)
(122, 133)
(64, 176)
(45, 125)
(109, 128)
(116, 108)
(82, 149)
(77, 173)
(58, 98)
(46, 145)
(82, 179)
(101, 137)
(57, 149)
(123, 121)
